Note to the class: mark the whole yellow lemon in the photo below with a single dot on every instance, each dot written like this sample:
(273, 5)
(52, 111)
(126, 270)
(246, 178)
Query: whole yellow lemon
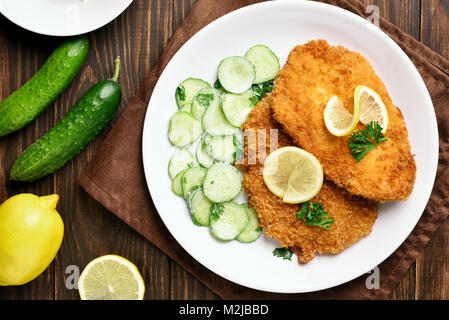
(31, 233)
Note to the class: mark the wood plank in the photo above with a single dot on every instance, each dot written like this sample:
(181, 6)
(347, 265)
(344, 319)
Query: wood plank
(433, 264)
(21, 54)
(405, 14)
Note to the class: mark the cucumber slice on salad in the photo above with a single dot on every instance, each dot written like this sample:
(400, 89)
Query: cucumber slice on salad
(216, 124)
(252, 231)
(180, 160)
(222, 183)
(237, 107)
(204, 99)
(203, 158)
(227, 220)
(184, 129)
(199, 207)
(187, 90)
(265, 62)
(236, 74)
(186, 108)
(227, 149)
(176, 186)
(192, 179)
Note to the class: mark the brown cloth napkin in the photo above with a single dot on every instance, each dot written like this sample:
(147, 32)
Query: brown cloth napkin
(119, 162)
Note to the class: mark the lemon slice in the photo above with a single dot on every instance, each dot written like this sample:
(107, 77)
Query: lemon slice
(371, 107)
(293, 174)
(339, 121)
(111, 277)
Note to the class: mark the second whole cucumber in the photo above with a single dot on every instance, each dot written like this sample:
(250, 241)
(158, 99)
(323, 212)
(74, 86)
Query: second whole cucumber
(76, 129)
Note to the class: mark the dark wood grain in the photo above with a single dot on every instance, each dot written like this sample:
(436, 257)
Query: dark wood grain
(138, 36)
(432, 266)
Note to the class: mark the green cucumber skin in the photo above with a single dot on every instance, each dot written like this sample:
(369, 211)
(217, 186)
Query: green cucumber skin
(30, 100)
(76, 129)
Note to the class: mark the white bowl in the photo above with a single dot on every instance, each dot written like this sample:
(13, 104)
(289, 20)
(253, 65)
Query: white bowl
(62, 17)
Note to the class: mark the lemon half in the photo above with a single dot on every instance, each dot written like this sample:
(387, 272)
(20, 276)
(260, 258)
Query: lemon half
(293, 174)
(111, 277)
(371, 107)
(339, 121)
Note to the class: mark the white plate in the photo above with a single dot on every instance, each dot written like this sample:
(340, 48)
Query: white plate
(62, 17)
(281, 25)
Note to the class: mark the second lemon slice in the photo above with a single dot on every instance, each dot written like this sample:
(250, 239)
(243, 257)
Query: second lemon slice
(339, 121)
(293, 174)
(371, 107)
(111, 277)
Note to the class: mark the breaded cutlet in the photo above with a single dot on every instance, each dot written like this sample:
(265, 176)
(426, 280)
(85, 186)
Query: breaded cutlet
(314, 73)
(354, 217)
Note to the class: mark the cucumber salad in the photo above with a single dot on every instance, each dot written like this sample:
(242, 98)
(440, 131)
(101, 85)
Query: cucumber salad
(206, 131)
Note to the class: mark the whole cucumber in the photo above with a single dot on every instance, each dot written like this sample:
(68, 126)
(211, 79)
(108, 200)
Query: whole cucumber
(30, 100)
(72, 133)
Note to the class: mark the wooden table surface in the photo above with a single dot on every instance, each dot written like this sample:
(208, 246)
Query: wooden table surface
(138, 36)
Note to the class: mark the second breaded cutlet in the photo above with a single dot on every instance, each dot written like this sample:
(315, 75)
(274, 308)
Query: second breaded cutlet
(354, 217)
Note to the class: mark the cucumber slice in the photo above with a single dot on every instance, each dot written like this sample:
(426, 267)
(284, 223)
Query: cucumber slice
(184, 129)
(176, 186)
(227, 149)
(187, 107)
(252, 231)
(204, 99)
(265, 62)
(192, 179)
(222, 183)
(187, 90)
(179, 161)
(203, 158)
(199, 207)
(237, 107)
(236, 74)
(227, 220)
(216, 124)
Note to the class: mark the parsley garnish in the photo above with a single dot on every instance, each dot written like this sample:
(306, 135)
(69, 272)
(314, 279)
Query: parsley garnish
(284, 253)
(254, 100)
(181, 93)
(261, 90)
(217, 85)
(259, 229)
(268, 86)
(216, 211)
(313, 214)
(363, 141)
(204, 99)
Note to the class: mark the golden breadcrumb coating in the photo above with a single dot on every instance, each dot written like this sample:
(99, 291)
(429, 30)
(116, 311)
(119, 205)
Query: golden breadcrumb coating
(354, 217)
(313, 74)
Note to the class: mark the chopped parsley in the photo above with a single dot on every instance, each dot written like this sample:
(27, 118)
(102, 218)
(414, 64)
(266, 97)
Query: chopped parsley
(181, 93)
(216, 211)
(261, 90)
(313, 214)
(217, 85)
(204, 99)
(259, 229)
(363, 141)
(254, 100)
(284, 253)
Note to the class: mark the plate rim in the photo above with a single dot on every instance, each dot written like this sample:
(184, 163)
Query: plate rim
(385, 37)
(63, 32)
